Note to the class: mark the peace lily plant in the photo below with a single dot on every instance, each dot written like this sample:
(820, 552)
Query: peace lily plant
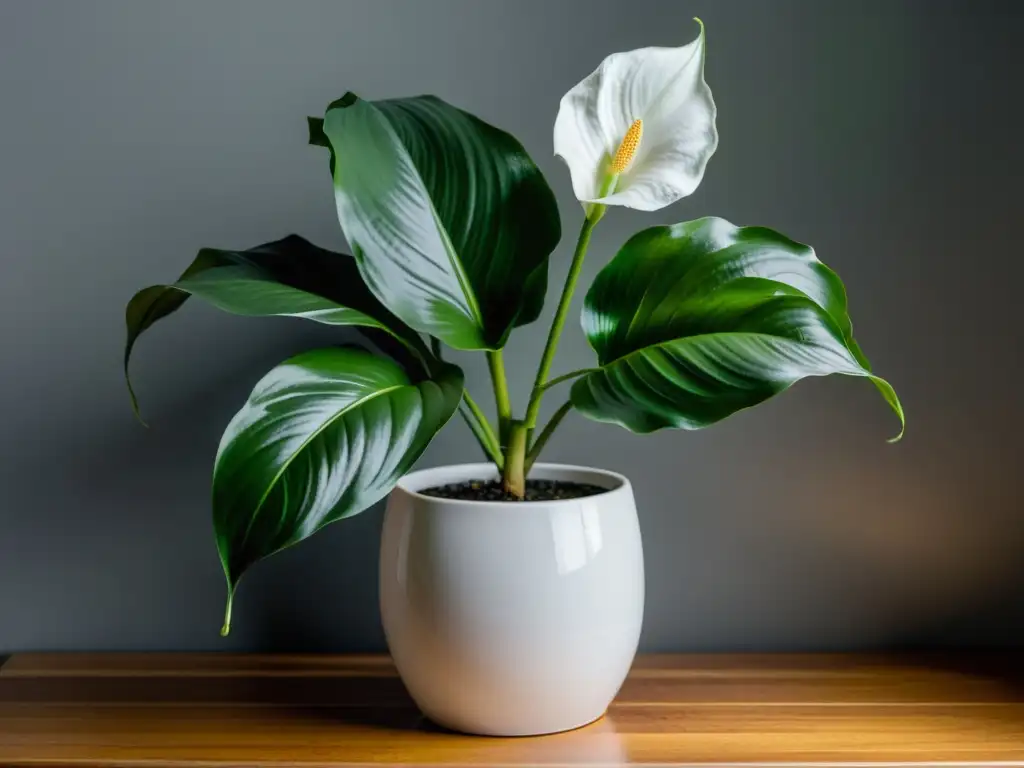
(451, 225)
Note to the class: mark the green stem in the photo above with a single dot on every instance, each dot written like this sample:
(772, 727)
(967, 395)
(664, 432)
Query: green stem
(545, 435)
(496, 363)
(594, 215)
(513, 476)
(481, 429)
(567, 376)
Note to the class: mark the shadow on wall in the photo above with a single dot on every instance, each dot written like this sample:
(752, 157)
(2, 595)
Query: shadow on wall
(184, 426)
(916, 564)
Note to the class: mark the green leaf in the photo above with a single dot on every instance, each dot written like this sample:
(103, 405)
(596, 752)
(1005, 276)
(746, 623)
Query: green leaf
(316, 133)
(696, 321)
(323, 436)
(448, 217)
(288, 278)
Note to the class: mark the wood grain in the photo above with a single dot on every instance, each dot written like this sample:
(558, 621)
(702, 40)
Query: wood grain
(258, 710)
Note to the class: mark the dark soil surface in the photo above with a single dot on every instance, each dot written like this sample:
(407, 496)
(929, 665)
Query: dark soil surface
(536, 490)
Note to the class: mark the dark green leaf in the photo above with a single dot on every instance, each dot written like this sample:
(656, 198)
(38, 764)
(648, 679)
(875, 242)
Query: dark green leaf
(694, 322)
(450, 220)
(317, 137)
(289, 277)
(316, 132)
(323, 436)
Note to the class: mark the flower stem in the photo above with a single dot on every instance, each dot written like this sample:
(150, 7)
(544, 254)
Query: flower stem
(546, 433)
(496, 364)
(593, 216)
(518, 436)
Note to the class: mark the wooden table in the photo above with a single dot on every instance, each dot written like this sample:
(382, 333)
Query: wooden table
(249, 710)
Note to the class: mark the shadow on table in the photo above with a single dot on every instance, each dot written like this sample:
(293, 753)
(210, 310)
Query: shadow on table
(995, 669)
(598, 743)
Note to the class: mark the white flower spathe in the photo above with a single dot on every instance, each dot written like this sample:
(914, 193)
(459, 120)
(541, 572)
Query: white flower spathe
(664, 89)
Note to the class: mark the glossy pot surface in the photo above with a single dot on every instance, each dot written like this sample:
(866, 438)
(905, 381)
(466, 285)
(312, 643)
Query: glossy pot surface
(508, 618)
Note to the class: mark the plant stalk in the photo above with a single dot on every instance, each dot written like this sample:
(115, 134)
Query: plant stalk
(566, 376)
(481, 429)
(545, 435)
(496, 364)
(513, 477)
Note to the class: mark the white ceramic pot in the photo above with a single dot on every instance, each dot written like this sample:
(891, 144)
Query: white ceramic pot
(512, 619)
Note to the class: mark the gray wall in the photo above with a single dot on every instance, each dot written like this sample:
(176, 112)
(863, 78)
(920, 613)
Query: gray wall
(887, 134)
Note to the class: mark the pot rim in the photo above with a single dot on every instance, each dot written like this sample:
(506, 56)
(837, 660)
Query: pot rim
(411, 483)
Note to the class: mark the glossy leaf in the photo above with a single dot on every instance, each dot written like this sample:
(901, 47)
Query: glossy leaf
(323, 436)
(288, 278)
(448, 217)
(694, 322)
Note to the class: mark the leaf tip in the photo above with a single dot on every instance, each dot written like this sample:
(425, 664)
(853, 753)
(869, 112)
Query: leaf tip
(894, 440)
(134, 400)
(226, 627)
(345, 101)
(898, 407)
(894, 402)
(315, 125)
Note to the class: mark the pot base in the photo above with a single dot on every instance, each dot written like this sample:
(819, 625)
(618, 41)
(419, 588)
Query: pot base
(474, 730)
